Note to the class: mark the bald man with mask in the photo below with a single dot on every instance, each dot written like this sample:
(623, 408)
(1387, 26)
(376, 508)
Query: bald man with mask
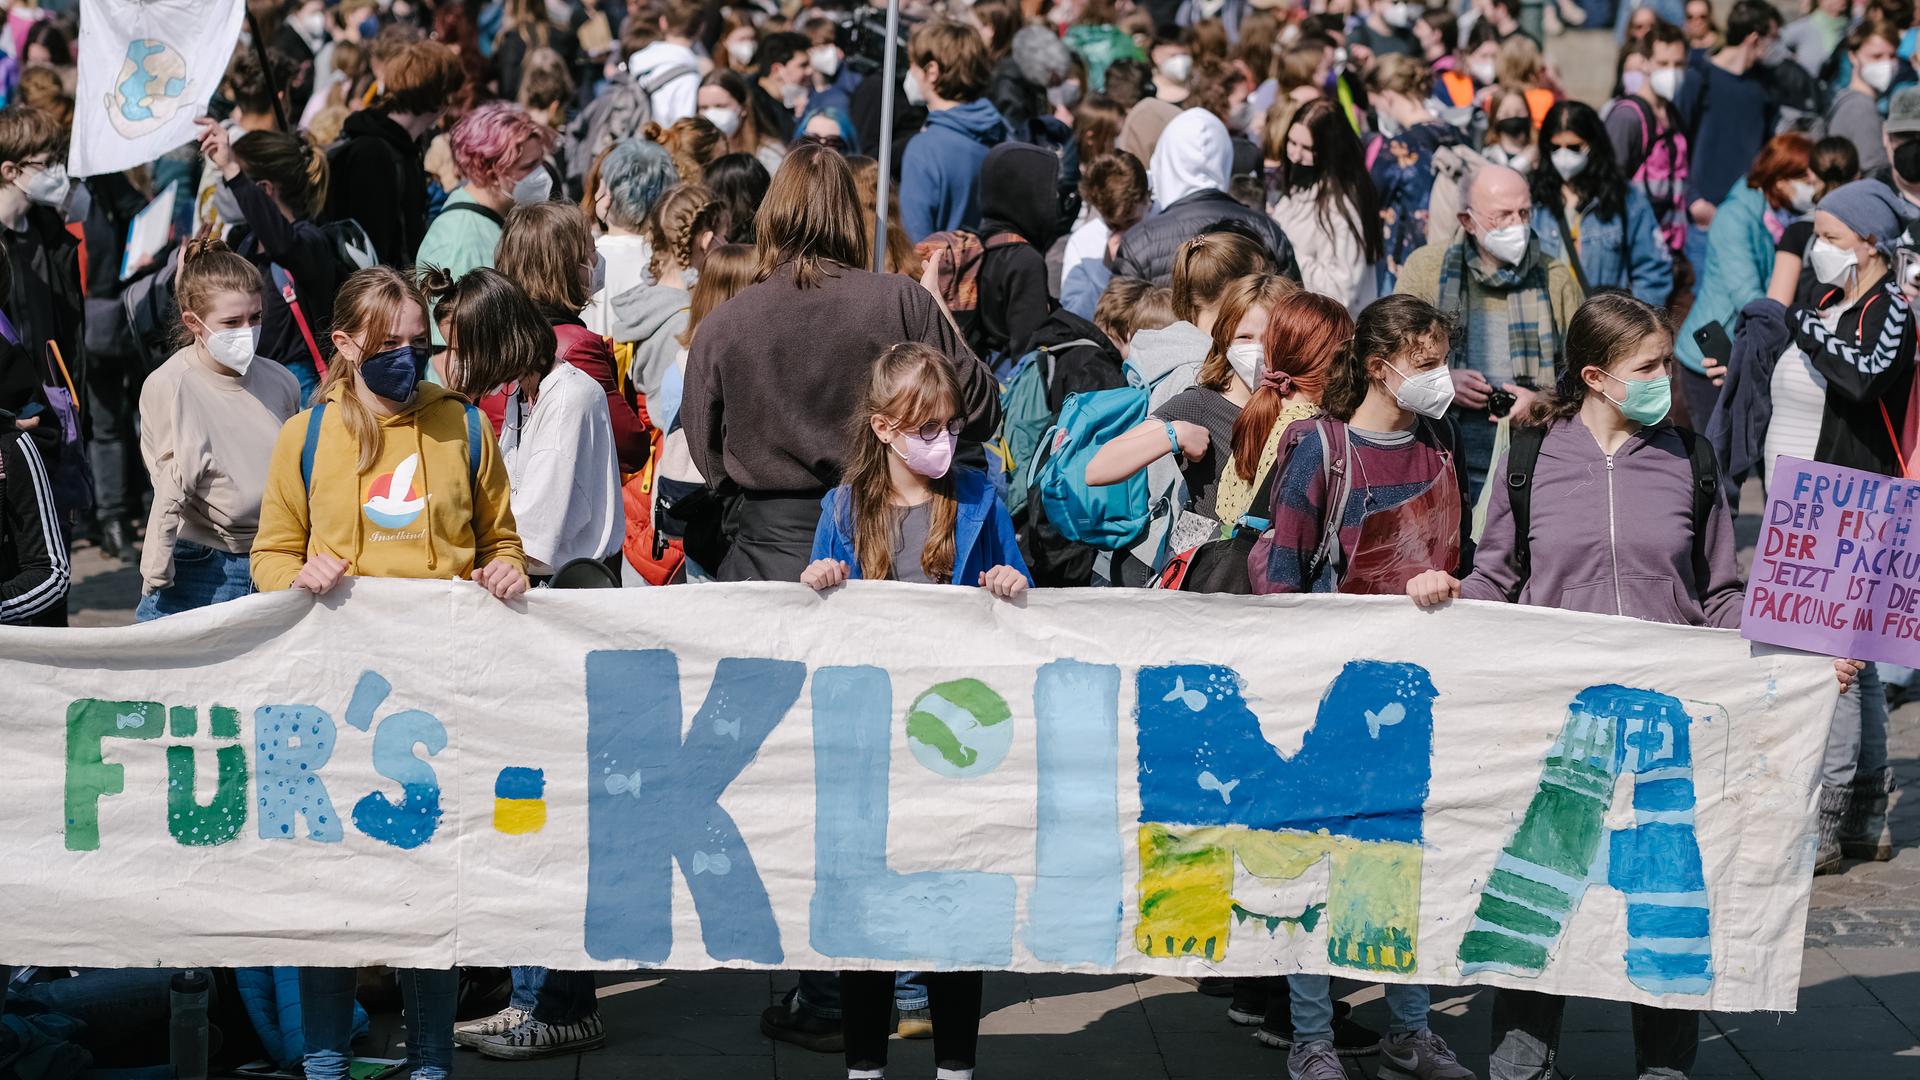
(1510, 305)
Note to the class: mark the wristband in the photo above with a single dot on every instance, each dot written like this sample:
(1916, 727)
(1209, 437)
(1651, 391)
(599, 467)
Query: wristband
(1172, 438)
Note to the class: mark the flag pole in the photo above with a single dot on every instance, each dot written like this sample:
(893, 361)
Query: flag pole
(886, 138)
(266, 70)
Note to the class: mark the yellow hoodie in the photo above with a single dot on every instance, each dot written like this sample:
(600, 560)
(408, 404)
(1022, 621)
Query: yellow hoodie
(413, 515)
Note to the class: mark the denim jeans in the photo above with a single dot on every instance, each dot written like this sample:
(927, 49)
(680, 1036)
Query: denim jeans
(554, 997)
(113, 448)
(819, 992)
(202, 577)
(1857, 743)
(326, 1021)
(1526, 1037)
(1313, 1007)
(126, 1010)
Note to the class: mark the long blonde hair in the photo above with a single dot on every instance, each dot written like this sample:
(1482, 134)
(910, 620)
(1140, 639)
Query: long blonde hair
(365, 309)
(911, 383)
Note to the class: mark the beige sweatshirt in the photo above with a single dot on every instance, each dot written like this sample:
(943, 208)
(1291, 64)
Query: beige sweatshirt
(208, 438)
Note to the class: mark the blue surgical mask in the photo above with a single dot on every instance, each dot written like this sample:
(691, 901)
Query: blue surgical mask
(1648, 400)
(394, 374)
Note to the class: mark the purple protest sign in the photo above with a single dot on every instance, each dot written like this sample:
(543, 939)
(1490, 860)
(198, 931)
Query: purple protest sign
(1837, 568)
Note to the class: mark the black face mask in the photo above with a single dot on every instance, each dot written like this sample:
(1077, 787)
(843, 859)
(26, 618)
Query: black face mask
(1906, 161)
(1301, 176)
(1514, 127)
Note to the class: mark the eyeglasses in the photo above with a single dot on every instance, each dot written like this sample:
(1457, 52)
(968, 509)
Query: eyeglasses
(931, 429)
(1519, 216)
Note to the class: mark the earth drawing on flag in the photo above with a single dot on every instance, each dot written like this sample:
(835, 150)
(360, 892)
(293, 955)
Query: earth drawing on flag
(960, 728)
(150, 88)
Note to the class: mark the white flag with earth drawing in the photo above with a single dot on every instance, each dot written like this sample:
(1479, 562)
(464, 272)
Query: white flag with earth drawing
(147, 68)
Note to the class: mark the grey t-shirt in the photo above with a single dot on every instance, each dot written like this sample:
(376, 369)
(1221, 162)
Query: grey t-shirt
(909, 541)
(1211, 410)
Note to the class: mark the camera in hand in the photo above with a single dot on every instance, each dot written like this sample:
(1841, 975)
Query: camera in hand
(1500, 403)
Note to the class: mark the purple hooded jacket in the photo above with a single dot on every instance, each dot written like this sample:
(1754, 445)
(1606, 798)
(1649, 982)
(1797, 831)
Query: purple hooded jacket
(1616, 544)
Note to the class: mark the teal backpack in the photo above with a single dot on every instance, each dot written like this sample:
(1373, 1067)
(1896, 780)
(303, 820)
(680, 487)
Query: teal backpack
(1026, 418)
(1111, 517)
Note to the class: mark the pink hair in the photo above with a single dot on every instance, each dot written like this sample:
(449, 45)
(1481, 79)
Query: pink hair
(486, 140)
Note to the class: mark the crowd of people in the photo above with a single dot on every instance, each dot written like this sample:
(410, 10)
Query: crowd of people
(1234, 296)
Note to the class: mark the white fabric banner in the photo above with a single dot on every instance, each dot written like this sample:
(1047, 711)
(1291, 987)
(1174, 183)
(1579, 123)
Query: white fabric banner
(922, 777)
(146, 70)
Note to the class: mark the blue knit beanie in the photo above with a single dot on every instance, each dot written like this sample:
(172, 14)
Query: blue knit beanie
(1870, 208)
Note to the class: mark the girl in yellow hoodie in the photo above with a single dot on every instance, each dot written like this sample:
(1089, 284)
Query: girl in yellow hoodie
(388, 476)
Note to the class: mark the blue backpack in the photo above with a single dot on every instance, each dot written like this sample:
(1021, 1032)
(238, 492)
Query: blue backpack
(1026, 420)
(1111, 517)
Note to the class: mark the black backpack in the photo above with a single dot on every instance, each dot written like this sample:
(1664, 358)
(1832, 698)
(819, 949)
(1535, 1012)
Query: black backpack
(1523, 453)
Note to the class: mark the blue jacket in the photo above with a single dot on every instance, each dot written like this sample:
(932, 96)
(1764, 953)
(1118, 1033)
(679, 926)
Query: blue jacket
(1633, 257)
(940, 169)
(982, 532)
(1739, 262)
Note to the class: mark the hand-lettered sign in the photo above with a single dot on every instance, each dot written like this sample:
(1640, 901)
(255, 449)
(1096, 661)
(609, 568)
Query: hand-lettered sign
(1837, 567)
(923, 777)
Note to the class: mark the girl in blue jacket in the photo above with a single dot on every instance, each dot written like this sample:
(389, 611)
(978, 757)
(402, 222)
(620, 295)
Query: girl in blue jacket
(903, 513)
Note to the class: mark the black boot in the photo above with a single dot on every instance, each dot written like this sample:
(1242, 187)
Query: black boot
(1832, 808)
(116, 541)
(1863, 829)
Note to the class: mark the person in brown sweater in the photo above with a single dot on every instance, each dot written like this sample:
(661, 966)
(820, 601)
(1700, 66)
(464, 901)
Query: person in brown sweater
(775, 374)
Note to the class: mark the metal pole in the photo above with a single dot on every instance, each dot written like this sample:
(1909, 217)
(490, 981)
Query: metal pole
(886, 138)
(266, 69)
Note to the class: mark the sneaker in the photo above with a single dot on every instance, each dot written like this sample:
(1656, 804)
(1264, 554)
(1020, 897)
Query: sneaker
(535, 1039)
(787, 1022)
(1249, 1007)
(1350, 1038)
(469, 1033)
(1420, 1055)
(915, 1024)
(1315, 1061)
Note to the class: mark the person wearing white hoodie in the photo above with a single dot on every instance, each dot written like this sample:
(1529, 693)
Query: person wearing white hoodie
(668, 69)
(633, 176)
(685, 222)
(1189, 175)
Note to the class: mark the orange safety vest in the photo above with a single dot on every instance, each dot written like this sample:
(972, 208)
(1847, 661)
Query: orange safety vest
(1539, 100)
(1458, 87)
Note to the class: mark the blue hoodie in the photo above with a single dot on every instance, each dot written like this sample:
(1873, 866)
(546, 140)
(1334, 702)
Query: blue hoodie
(940, 169)
(982, 532)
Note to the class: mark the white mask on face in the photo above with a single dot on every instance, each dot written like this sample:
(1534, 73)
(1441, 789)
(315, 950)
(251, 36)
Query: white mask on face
(312, 24)
(1804, 192)
(1248, 359)
(1507, 244)
(1399, 15)
(1429, 393)
(741, 52)
(533, 187)
(48, 187)
(727, 120)
(1177, 68)
(234, 349)
(826, 60)
(1482, 71)
(1832, 265)
(1665, 82)
(916, 94)
(1569, 163)
(792, 94)
(1879, 74)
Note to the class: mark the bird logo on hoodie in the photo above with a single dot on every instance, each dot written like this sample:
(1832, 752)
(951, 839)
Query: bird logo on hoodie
(392, 502)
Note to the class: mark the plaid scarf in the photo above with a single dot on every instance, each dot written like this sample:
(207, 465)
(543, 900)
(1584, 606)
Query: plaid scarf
(1532, 339)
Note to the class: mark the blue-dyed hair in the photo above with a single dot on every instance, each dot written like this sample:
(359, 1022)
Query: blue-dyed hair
(848, 132)
(634, 173)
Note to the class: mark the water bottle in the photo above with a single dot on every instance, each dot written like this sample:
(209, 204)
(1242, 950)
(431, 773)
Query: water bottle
(187, 1030)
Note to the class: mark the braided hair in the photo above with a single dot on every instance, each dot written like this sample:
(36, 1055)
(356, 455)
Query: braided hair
(677, 222)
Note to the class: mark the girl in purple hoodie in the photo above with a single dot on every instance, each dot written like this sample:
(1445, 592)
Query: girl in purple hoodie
(1611, 529)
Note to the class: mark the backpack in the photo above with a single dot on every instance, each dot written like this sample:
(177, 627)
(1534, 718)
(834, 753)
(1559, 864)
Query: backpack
(1223, 566)
(1661, 172)
(960, 274)
(476, 430)
(1025, 418)
(1110, 517)
(1453, 168)
(1523, 453)
(620, 110)
(653, 555)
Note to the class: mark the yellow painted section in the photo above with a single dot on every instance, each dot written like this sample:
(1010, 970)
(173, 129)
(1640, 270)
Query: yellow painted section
(1186, 885)
(517, 817)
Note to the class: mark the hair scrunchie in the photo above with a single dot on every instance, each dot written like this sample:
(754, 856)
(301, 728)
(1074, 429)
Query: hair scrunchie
(1280, 381)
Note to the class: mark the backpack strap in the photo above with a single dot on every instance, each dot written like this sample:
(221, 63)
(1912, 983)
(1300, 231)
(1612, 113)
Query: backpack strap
(1338, 480)
(476, 430)
(1706, 487)
(1523, 453)
(474, 208)
(284, 282)
(653, 83)
(312, 443)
